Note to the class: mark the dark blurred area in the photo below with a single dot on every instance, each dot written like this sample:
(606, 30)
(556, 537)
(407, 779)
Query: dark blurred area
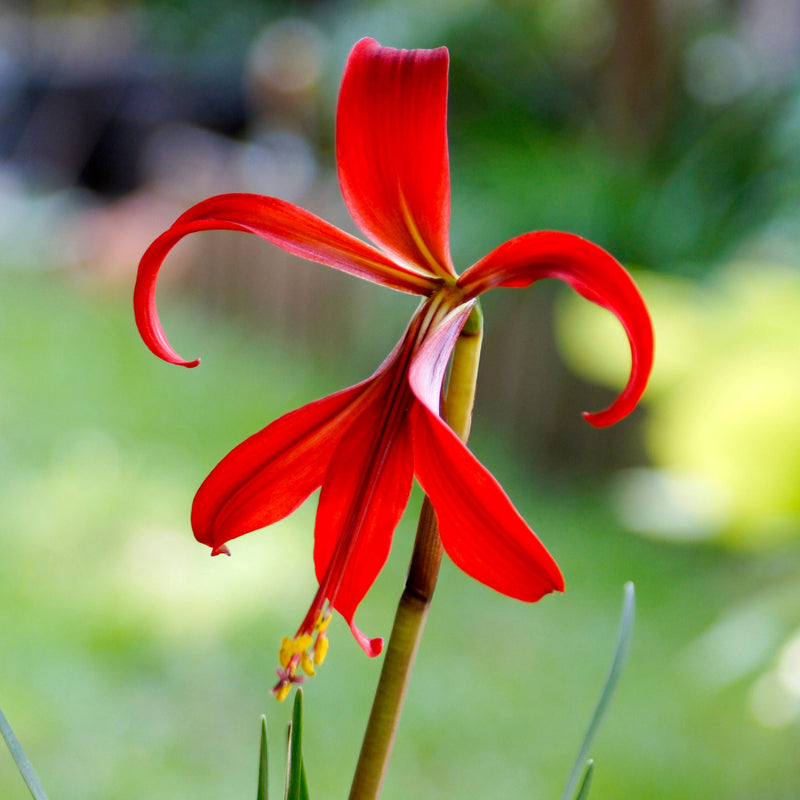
(80, 101)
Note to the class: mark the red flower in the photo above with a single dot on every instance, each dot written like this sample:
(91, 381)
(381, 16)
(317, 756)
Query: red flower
(364, 444)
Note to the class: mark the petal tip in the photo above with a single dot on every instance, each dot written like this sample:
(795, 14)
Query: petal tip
(606, 418)
(372, 647)
(554, 580)
(591, 418)
(220, 549)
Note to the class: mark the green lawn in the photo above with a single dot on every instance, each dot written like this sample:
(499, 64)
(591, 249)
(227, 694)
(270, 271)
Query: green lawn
(134, 666)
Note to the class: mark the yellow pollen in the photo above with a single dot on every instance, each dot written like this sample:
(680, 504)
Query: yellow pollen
(299, 653)
(322, 623)
(292, 647)
(305, 663)
(285, 654)
(320, 649)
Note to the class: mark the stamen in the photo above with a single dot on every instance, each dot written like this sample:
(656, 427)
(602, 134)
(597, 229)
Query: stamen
(322, 622)
(285, 654)
(302, 652)
(305, 663)
(320, 649)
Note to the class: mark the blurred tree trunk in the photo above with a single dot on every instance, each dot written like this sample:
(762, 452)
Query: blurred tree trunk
(636, 77)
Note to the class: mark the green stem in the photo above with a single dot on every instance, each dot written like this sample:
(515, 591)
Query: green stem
(412, 611)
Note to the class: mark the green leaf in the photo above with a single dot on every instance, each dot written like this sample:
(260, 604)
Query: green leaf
(263, 771)
(296, 784)
(18, 754)
(583, 789)
(617, 663)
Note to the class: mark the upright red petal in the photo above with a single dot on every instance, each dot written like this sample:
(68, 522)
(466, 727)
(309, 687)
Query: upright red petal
(289, 227)
(391, 150)
(593, 273)
(364, 493)
(271, 473)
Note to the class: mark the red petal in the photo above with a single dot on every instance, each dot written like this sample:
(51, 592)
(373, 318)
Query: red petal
(480, 529)
(391, 150)
(593, 273)
(270, 474)
(364, 494)
(285, 225)
(429, 363)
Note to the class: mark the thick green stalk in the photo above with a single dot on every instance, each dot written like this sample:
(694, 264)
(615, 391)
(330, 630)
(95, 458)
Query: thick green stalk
(409, 621)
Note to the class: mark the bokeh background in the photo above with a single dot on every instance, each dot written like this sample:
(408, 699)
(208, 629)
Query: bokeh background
(134, 666)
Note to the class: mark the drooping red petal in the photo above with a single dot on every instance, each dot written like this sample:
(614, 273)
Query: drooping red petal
(481, 530)
(285, 225)
(271, 473)
(593, 273)
(364, 494)
(391, 151)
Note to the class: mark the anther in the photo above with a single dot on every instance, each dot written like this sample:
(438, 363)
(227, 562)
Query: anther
(285, 654)
(322, 623)
(320, 649)
(305, 663)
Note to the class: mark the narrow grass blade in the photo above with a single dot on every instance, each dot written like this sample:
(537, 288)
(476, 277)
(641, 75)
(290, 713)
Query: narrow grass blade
(617, 663)
(263, 768)
(296, 784)
(303, 784)
(583, 789)
(24, 765)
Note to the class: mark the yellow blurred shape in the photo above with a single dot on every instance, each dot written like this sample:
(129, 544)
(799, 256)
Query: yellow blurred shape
(725, 392)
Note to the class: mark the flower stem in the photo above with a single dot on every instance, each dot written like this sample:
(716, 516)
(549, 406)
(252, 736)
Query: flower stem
(412, 611)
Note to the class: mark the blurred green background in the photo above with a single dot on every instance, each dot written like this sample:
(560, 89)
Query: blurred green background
(132, 665)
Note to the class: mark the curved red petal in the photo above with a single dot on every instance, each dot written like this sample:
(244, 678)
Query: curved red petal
(271, 473)
(391, 151)
(285, 225)
(481, 530)
(593, 273)
(364, 494)
(429, 363)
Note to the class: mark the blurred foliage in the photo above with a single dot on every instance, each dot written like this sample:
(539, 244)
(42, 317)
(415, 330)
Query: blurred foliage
(722, 403)
(537, 130)
(135, 666)
(207, 29)
(558, 121)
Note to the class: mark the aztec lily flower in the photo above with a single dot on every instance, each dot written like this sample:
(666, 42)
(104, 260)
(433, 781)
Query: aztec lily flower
(364, 445)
